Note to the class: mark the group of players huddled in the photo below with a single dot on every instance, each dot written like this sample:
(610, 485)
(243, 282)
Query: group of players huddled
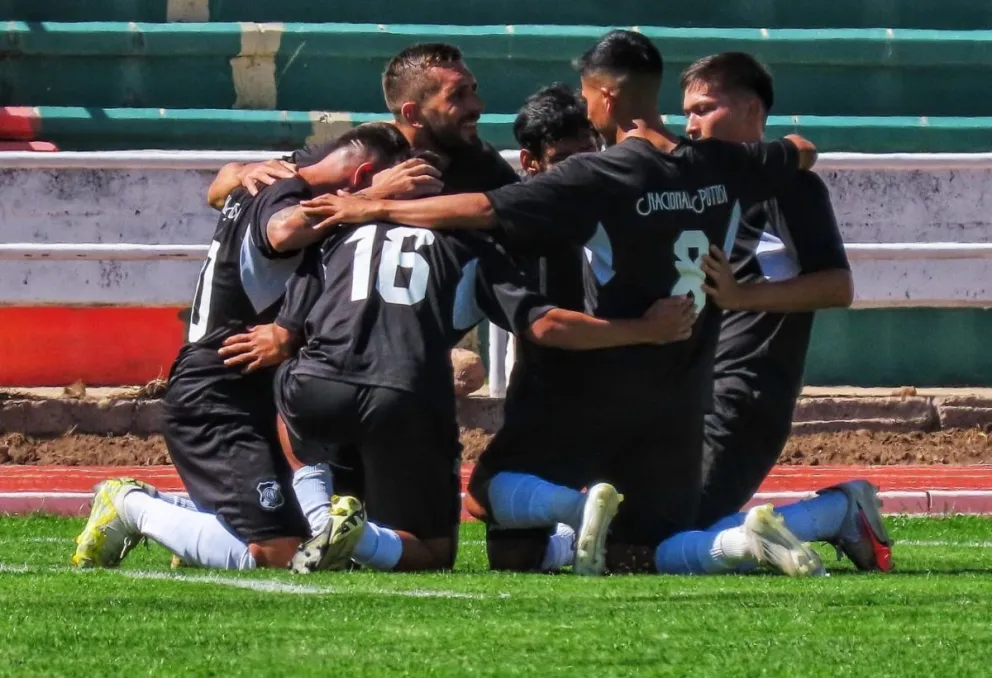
(661, 292)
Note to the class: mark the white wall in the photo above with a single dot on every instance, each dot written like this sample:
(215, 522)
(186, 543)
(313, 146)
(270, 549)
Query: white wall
(167, 206)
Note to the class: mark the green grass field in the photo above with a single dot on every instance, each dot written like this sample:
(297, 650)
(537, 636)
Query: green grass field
(932, 617)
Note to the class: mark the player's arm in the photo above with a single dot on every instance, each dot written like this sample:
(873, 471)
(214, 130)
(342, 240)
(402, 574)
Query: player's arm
(271, 344)
(761, 170)
(825, 279)
(252, 176)
(666, 321)
(506, 298)
(553, 207)
(291, 229)
(806, 292)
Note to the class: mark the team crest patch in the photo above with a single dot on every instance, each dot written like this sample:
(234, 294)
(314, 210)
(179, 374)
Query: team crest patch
(270, 495)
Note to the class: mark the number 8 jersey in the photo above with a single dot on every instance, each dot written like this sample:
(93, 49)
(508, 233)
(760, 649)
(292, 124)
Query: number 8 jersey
(243, 278)
(384, 304)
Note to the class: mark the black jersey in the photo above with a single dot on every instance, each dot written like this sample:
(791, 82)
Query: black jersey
(384, 304)
(645, 219)
(793, 234)
(243, 278)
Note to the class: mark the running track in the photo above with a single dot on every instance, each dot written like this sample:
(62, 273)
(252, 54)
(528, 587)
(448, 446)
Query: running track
(937, 490)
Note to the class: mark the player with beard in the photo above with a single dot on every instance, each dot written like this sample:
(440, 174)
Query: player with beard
(646, 211)
(789, 261)
(435, 103)
(220, 423)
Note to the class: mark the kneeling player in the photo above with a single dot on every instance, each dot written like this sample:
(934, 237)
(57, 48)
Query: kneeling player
(220, 423)
(374, 381)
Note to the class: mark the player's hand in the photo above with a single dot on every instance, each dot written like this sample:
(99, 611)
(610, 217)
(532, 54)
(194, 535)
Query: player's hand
(261, 346)
(265, 174)
(413, 178)
(330, 210)
(724, 289)
(670, 319)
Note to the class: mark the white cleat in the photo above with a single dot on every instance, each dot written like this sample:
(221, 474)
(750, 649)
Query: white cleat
(602, 502)
(772, 544)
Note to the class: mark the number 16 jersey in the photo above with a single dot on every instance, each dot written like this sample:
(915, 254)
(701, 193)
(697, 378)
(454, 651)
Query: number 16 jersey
(384, 304)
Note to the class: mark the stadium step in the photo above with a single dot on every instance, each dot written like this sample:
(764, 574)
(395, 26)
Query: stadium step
(80, 129)
(959, 14)
(338, 66)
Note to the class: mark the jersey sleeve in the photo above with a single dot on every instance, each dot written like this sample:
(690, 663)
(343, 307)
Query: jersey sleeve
(281, 195)
(759, 171)
(303, 290)
(812, 225)
(505, 294)
(550, 209)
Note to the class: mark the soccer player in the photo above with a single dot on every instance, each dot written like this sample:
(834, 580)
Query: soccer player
(220, 424)
(373, 383)
(769, 300)
(435, 104)
(646, 211)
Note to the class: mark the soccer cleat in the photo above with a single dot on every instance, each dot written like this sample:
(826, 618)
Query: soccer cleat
(332, 547)
(872, 550)
(602, 502)
(772, 544)
(108, 537)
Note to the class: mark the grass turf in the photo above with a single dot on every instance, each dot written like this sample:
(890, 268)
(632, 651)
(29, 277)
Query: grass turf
(930, 618)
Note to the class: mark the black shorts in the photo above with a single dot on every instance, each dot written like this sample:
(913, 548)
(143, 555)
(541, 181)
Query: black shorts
(404, 449)
(577, 438)
(742, 439)
(221, 434)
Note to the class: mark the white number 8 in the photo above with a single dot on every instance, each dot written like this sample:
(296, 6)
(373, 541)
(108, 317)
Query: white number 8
(687, 263)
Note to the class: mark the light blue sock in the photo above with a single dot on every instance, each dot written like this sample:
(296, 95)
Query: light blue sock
(698, 552)
(816, 519)
(379, 547)
(733, 520)
(313, 487)
(519, 500)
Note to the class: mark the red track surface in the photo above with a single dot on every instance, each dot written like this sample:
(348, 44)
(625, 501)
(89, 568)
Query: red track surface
(938, 490)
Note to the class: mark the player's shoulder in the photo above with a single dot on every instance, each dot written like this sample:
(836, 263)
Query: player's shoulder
(284, 188)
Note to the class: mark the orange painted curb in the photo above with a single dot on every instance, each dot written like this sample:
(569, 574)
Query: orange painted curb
(19, 122)
(37, 146)
(55, 346)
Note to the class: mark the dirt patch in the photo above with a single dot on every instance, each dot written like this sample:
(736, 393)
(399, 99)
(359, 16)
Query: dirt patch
(971, 446)
(83, 450)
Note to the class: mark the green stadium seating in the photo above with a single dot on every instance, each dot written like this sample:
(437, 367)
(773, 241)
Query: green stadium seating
(76, 128)
(337, 66)
(934, 14)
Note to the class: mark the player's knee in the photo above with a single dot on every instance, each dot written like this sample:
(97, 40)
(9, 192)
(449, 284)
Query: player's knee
(477, 496)
(440, 555)
(274, 553)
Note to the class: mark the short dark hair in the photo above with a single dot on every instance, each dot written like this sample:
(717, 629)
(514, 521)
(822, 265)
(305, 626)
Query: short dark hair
(622, 54)
(549, 115)
(405, 78)
(381, 139)
(732, 72)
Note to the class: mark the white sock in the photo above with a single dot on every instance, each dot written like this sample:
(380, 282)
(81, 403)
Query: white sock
(379, 547)
(313, 486)
(731, 546)
(198, 538)
(561, 549)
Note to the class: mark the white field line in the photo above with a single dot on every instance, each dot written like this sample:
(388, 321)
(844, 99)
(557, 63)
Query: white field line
(946, 544)
(269, 586)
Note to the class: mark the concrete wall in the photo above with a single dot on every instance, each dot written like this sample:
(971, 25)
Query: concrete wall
(167, 206)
